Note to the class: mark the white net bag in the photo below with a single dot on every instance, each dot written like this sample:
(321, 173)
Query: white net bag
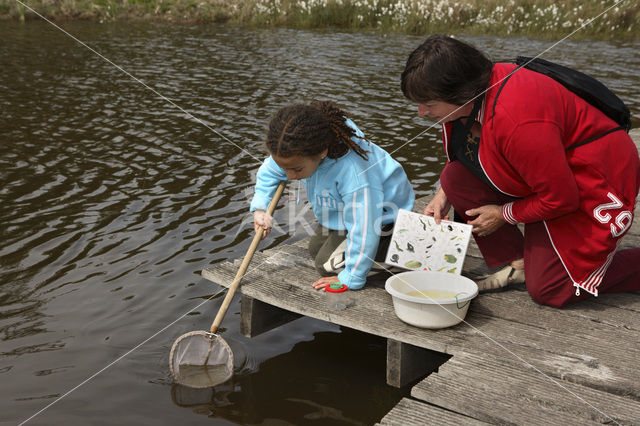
(200, 359)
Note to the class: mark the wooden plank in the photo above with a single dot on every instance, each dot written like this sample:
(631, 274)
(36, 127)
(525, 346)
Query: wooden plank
(409, 412)
(603, 361)
(631, 238)
(407, 363)
(498, 391)
(626, 301)
(257, 317)
(580, 352)
(598, 315)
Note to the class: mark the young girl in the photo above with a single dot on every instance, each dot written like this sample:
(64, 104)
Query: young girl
(354, 187)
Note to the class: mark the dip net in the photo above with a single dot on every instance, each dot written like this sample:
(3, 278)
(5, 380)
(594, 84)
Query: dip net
(200, 359)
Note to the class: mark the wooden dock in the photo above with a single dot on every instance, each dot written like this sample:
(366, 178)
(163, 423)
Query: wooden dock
(511, 361)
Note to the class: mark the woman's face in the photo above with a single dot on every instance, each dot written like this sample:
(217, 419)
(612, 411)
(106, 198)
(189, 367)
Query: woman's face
(443, 112)
(298, 166)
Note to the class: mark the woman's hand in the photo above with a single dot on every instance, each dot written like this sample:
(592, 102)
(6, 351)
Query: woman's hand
(262, 221)
(438, 207)
(325, 281)
(488, 221)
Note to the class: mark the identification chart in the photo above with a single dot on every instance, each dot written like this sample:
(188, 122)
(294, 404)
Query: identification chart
(418, 243)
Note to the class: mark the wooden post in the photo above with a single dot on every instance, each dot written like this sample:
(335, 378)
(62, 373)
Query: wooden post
(407, 363)
(256, 317)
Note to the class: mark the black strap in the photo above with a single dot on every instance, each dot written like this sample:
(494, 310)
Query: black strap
(474, 113)
(495, 100)
(463, 147)
(471, 118)
(586, 141)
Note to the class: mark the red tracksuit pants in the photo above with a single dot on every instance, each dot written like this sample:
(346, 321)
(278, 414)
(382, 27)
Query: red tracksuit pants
(546, 279)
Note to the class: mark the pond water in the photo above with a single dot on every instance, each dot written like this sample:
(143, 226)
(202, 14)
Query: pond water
(114, 198)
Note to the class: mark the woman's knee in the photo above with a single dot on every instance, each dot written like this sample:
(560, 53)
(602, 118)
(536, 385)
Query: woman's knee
(539, 296)
(546, 278)
(557, 294)
(452, 175)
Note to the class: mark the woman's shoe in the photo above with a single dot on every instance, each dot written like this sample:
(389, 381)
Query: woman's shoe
(498, 281)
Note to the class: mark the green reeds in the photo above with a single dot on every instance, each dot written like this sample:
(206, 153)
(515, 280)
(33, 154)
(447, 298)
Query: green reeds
(532, 18)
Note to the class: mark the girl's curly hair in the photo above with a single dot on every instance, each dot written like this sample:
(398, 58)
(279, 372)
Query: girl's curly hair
(309, 129)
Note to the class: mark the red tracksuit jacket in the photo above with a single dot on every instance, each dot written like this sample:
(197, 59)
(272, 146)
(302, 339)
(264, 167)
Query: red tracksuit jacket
(586, 195)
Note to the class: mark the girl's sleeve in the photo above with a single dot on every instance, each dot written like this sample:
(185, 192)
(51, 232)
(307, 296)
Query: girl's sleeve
(267, 180)
(362, 218)
(537, 154)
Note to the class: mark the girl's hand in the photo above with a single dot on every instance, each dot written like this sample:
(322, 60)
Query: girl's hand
(438, 207)
(488, 221)
(325, 281)
(262, 221)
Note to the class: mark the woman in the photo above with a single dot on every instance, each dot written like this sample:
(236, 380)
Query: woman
(511, 140)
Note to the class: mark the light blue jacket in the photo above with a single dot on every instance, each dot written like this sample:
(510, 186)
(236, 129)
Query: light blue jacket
(352, 194)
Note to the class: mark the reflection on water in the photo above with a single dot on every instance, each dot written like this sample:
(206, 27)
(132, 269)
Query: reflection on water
(323, 382)
(112, 201)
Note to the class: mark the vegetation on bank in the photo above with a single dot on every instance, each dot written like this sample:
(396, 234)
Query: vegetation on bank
(532, 18)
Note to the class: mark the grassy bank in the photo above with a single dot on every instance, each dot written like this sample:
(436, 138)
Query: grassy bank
(532, 18)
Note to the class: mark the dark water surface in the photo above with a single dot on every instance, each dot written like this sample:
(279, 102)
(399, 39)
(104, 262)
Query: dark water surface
(112, 200)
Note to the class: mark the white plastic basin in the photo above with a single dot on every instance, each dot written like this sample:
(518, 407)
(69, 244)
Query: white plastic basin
(432, 308)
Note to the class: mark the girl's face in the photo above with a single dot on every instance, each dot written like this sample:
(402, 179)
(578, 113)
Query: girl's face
(299, 167)
(443, 112)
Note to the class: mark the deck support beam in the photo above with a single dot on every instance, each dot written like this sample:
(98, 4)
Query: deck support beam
(407, 363)
(257, 317)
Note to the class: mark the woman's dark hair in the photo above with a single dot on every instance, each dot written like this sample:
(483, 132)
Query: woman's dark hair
(445, 69)
(309, 129)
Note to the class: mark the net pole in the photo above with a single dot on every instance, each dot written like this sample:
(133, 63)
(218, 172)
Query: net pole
(245, 263)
